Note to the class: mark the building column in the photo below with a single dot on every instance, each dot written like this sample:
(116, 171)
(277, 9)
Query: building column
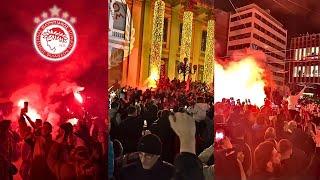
(210, 54)
(174, 42)
(156, 42)
(145, 58)
(135, 57)
(186, 40)
(196, 47)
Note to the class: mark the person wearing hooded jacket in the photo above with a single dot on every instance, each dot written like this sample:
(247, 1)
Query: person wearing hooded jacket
(150, 165)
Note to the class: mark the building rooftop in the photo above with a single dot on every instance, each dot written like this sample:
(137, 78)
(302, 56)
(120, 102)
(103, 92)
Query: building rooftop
(263, 11)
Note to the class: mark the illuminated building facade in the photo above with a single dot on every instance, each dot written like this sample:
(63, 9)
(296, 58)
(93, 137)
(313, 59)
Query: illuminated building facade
(303, 63)
(255, 28)
(133, 47)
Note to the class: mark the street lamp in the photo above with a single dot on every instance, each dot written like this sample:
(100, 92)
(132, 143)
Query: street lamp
(184, 68)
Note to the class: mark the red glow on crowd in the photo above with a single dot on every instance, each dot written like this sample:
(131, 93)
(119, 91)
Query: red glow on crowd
(73, 121)
(44, 104)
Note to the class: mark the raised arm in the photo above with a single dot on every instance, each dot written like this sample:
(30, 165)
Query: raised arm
(301, 92)
(33, 125)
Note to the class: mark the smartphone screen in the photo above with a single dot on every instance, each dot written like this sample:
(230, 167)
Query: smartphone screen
(26, 106)
(219, 136)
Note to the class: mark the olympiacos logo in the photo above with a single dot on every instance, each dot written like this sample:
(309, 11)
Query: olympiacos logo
(55, 38)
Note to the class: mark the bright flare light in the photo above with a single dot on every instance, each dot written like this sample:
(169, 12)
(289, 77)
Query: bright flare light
(73, 121)
(78, 96)
(240, 80)
(32, 113)
(21, 103)
(154, 76)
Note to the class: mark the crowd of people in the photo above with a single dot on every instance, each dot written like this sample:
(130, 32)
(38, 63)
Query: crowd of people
(161, 133)
(168, 132)
(269, 142)
(77, 152)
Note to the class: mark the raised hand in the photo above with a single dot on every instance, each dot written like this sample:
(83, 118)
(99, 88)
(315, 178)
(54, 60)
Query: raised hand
(184, 126)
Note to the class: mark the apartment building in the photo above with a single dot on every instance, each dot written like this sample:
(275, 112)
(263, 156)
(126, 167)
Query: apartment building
(255, 28)
(303, 62)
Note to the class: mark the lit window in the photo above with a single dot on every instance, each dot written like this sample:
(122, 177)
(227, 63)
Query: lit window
(313, 50)
(312, 71)
(296, 54)
(316, 71)
(295, 71)
(299, 71)
(300, 54)
(304, 53)
(303, 71)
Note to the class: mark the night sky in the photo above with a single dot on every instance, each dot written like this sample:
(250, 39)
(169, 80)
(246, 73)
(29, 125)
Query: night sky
(297, 16)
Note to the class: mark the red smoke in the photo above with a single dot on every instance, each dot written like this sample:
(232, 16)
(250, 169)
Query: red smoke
(42, 103)
(245, 76)
(26, 75)
(259, 57)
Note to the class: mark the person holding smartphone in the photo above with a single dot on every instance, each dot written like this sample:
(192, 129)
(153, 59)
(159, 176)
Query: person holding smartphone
(40, 141)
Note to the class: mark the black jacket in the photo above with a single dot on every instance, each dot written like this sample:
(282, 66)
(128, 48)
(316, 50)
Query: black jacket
(289, 169)
(312, 172)
(241, 146)
(226, 165)
(162, 128)
(131, 132)
(188, 167)
(160, 171)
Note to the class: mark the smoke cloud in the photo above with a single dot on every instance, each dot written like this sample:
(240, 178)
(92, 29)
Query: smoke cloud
(26, 75)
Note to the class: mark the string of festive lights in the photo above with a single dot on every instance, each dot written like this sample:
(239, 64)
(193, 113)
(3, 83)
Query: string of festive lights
(209, 54)
(185, 48)
(156, 42)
